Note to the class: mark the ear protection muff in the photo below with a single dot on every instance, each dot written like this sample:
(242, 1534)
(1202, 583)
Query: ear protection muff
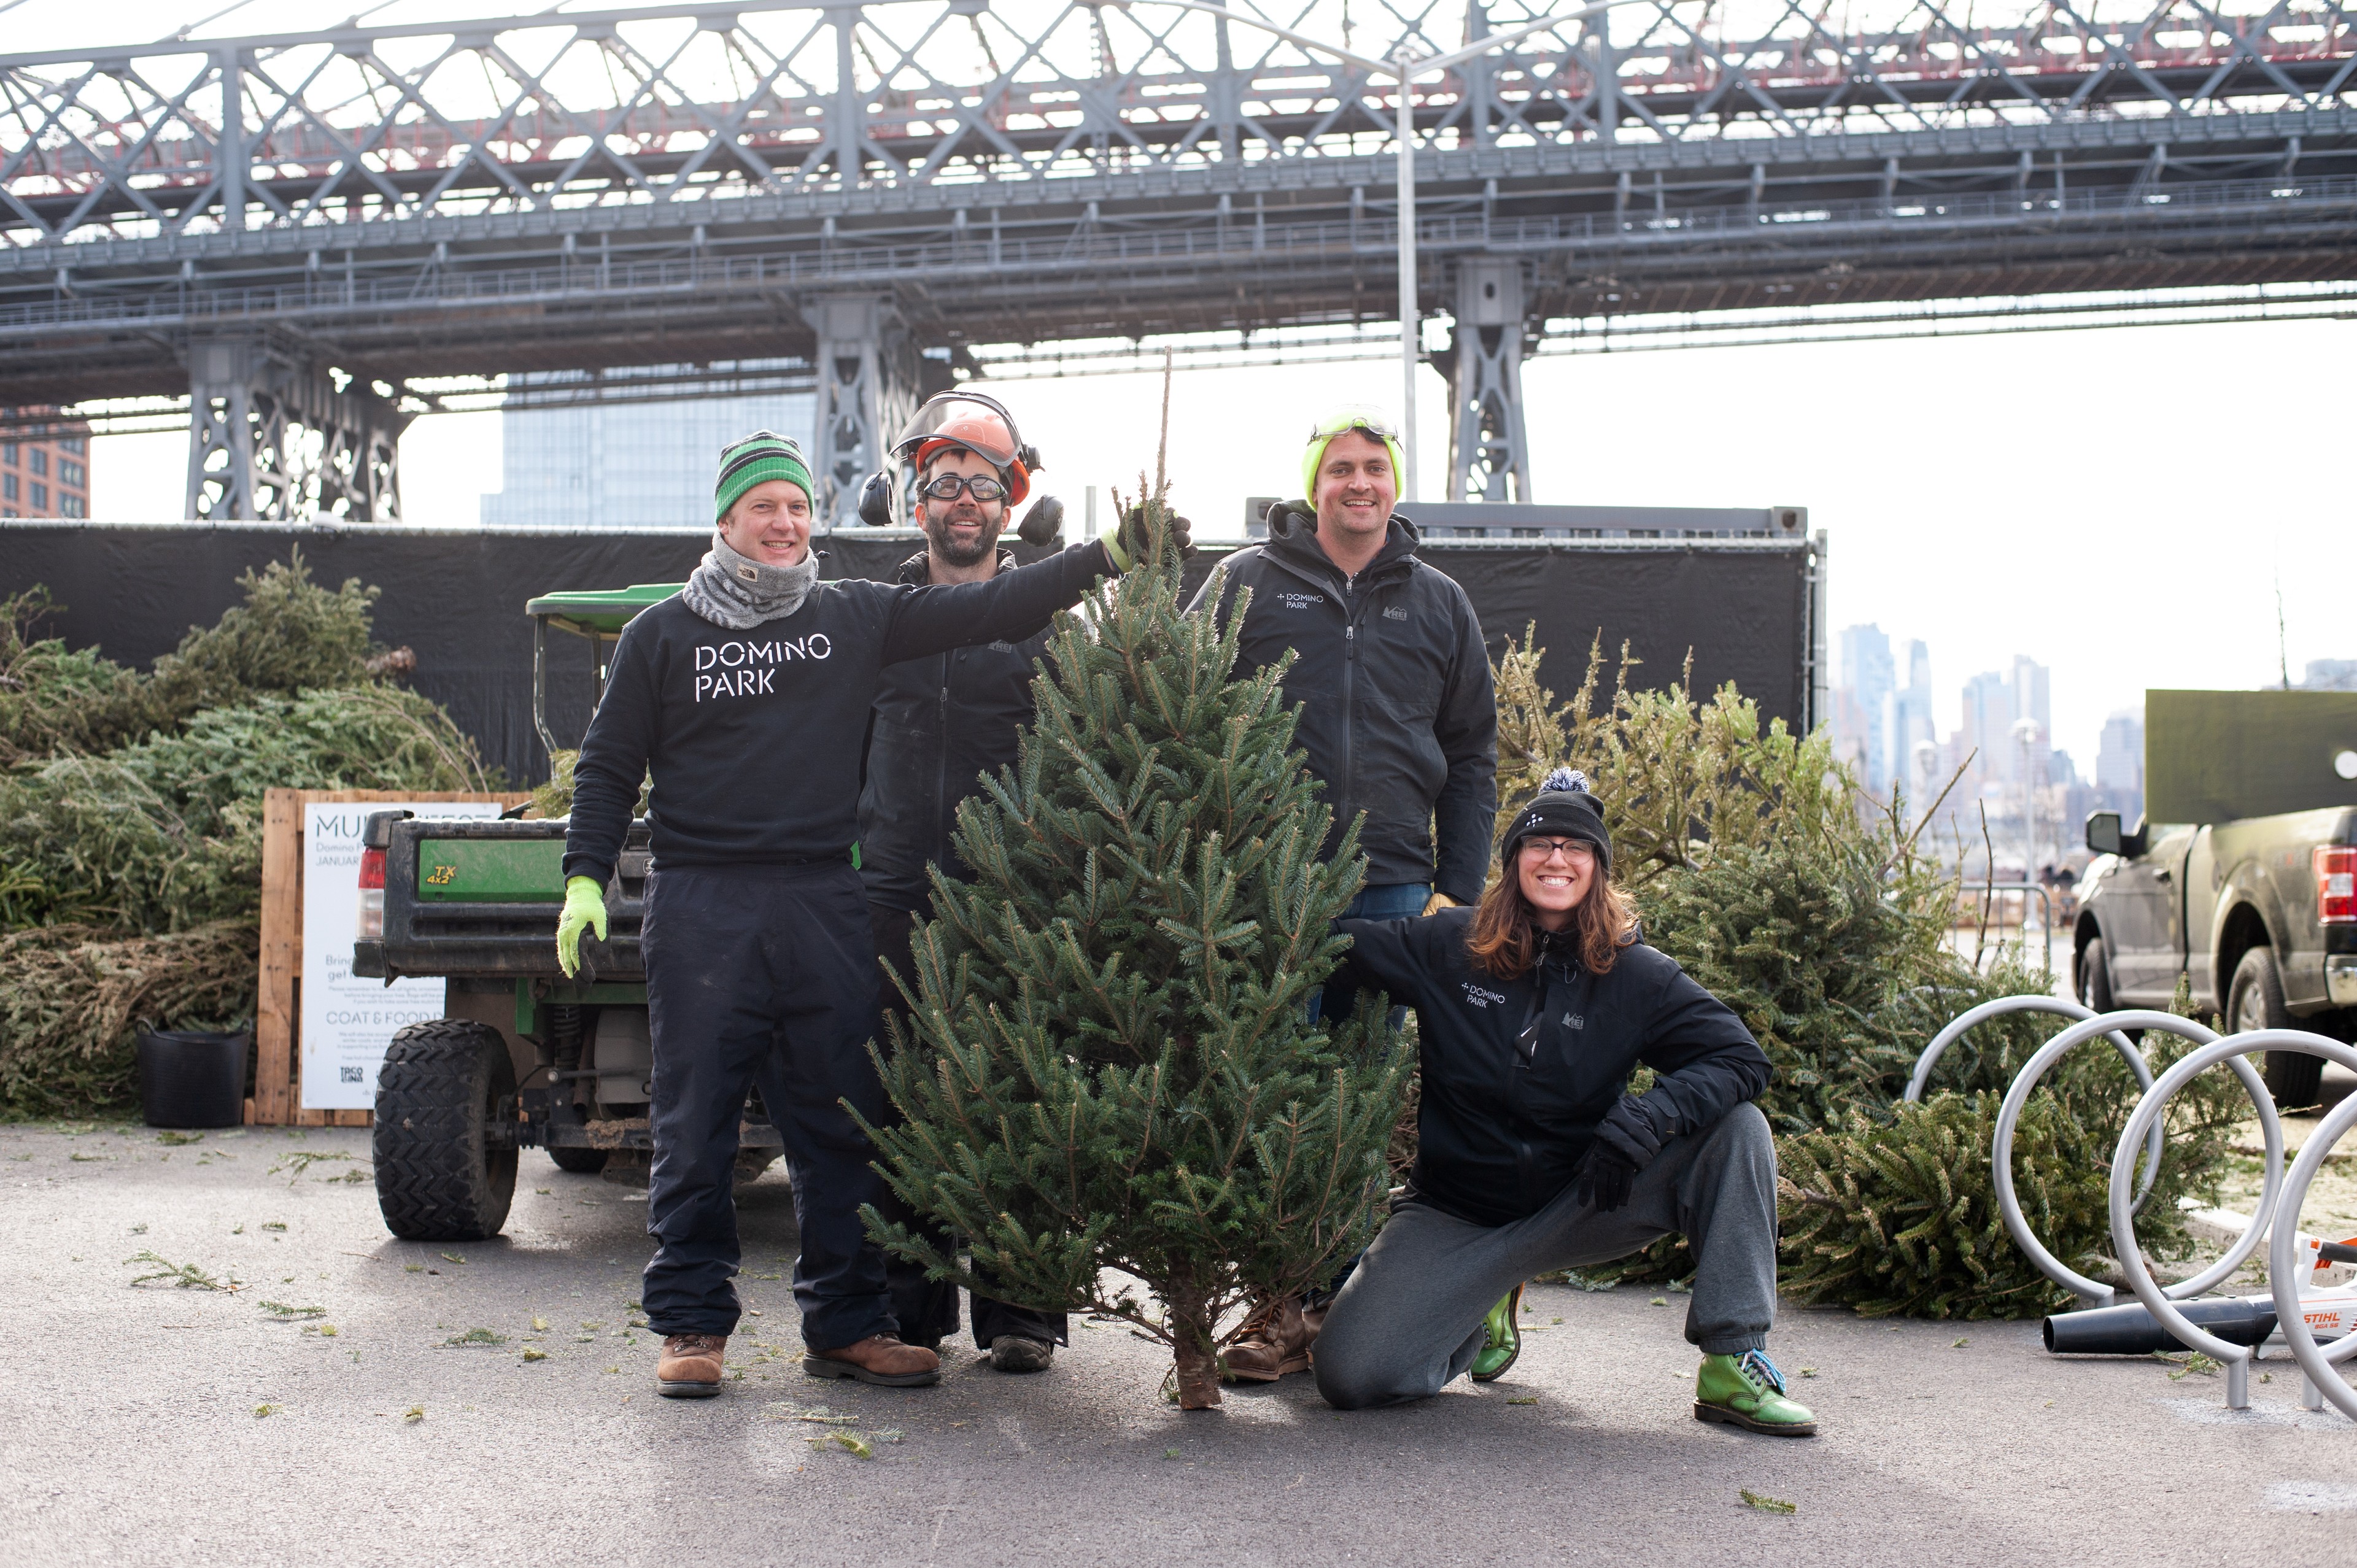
(875, 500)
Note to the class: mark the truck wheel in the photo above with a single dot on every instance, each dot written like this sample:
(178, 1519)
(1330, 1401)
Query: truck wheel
(2255, 1001)
(438, 1177)
(580, 1161)
(2095, 977)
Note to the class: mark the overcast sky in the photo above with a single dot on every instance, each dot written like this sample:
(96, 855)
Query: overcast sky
(2119, 505)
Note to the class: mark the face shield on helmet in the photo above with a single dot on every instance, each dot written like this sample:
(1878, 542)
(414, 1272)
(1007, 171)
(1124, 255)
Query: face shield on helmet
(952, 418)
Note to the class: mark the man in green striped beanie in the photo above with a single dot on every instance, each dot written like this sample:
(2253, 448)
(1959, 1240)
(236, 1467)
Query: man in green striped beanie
(745, 699)
(760, 565)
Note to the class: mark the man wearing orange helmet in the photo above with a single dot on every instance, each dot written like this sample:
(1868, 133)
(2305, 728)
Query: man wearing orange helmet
(937, 724)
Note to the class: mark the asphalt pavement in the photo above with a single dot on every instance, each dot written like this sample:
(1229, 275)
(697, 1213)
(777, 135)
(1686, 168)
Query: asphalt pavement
(359, 1400)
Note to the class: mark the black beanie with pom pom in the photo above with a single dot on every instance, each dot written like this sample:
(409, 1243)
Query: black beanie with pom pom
(1564, 809)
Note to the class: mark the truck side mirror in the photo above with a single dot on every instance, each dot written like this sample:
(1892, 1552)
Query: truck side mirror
(2104, 833)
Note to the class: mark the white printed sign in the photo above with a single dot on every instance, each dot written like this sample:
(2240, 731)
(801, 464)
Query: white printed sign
(346, 1022)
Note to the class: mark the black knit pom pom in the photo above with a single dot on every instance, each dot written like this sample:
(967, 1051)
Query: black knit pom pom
(1566, 779)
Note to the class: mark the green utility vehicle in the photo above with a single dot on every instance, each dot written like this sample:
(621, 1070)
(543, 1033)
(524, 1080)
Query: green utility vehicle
(526, 1058)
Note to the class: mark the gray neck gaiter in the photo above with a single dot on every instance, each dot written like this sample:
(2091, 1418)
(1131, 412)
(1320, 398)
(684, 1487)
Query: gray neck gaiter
(735, 591)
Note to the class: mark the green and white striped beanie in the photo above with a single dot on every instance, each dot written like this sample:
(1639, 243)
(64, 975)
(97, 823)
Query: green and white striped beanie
(756, 459)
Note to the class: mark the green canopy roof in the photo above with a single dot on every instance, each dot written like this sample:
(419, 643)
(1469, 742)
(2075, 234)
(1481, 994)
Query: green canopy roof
(599, 612)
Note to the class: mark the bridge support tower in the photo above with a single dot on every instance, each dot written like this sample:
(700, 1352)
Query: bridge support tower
(274, 438)
(867, 388)
(1489, 454)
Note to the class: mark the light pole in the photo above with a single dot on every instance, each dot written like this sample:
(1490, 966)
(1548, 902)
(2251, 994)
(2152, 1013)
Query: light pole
(1403, 68)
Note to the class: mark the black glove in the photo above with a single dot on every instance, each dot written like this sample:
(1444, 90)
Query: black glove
(1604, 1178)
(1626, 1141)
(1130, 540)
(1043, 521)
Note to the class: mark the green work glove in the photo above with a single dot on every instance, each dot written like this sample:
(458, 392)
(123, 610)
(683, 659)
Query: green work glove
(1126, 540)
(585, 904)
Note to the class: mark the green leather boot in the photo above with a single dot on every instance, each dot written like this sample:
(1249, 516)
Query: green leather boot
(1748, 1390)
(1504, 1342)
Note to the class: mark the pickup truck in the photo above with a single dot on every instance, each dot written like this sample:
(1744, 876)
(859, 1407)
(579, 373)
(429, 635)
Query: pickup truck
(2258, 914)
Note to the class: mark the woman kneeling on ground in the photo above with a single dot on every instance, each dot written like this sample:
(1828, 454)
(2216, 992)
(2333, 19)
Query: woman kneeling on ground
(1533, 1010)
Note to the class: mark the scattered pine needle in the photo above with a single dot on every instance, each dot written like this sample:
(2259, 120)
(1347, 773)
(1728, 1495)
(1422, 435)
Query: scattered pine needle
(286, 1312)
(1766, 1504)
(187, 1276)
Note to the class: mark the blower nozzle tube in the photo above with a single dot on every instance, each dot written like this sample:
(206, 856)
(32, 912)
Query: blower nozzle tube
(2133, 1331)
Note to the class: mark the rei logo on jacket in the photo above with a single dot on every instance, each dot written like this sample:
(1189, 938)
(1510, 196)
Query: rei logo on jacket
(748, 668)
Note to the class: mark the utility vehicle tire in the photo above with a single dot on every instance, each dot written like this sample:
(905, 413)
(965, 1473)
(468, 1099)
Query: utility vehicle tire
(579, 1161)
(2255, 1001)
(751, 1166)
(438, 1176)
(2095, 977)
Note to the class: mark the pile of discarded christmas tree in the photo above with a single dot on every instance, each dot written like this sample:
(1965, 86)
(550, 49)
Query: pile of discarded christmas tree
(1112, 1091)
(131, 815)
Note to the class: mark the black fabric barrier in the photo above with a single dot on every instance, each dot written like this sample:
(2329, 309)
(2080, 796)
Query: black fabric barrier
(457, 597)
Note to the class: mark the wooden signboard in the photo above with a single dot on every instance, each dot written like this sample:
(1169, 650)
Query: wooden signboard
(277, 1098)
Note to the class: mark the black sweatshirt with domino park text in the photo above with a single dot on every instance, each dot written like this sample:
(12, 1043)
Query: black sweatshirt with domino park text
(753, 737)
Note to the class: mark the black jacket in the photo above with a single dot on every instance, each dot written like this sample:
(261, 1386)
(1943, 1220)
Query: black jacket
(753, 737)
(938, 723)
(1399, 721)
(1497, 1137)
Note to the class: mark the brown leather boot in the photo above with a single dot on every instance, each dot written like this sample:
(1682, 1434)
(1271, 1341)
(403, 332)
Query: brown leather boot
(1278, 1346)
(879, 1358)
(689, 1368)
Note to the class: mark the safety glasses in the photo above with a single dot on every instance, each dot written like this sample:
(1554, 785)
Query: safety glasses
(981, 487)
(1375, 422)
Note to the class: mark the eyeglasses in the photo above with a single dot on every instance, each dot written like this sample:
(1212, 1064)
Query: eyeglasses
(1375, 422)
(981, 487)
(1572, 850)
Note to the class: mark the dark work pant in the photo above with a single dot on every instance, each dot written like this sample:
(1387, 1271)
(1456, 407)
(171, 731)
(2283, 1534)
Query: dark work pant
(1410, 1319)
(927, 1308)
(762, 975)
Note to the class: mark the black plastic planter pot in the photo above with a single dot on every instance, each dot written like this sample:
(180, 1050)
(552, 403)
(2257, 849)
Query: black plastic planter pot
(190, 1080)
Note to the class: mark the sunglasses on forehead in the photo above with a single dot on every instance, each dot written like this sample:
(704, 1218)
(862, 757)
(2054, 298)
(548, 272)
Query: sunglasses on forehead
(1375, 425)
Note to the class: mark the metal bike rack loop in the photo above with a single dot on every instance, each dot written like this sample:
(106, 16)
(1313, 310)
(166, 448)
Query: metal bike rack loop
(1965, 1023)
(2282, 1274)
(2017, 1097)
(2320, 1379)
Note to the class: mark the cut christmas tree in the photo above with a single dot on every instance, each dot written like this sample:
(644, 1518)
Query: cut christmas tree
(1110, 1078)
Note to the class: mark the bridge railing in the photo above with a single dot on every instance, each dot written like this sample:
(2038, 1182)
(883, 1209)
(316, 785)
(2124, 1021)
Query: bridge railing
(2276, 203)
(691, 101)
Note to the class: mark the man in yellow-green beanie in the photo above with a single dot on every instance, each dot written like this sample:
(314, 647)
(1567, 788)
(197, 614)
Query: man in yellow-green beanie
(746, 698)
(1398, 715)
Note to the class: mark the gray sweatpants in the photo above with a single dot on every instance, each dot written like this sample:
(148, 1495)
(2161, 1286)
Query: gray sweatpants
(1409, 1320)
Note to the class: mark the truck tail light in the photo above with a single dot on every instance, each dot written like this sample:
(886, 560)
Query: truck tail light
(2336, 883)
(372, 911)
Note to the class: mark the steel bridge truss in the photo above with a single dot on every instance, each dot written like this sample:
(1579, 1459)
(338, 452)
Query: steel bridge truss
(876, 190)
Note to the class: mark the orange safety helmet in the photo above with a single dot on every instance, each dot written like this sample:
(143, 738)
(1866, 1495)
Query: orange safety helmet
(980, 424)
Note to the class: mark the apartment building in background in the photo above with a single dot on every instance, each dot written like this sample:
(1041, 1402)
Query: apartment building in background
(44, 469)
(637, 466)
